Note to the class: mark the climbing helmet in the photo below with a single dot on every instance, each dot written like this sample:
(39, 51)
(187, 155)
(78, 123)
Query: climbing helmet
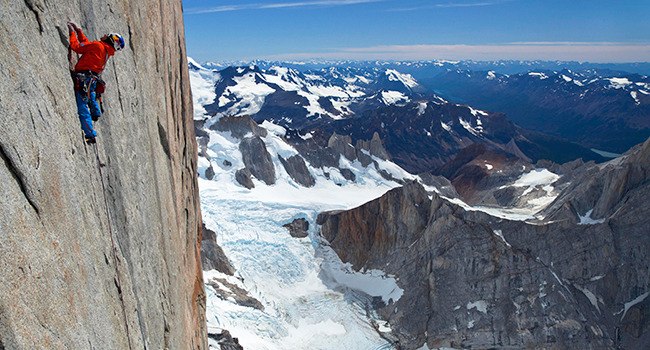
(116, 40)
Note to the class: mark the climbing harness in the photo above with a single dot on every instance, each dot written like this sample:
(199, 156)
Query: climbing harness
(110, 227)
(83, 82)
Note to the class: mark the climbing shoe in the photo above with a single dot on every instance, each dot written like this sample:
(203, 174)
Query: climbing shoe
(90, 140)
(95, 117)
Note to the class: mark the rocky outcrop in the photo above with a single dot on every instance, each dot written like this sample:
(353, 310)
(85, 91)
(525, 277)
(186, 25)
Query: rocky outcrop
(298, 228)
(234, 291)
(297, 169)
(343, 145)
(225, 340)
(212, 256)
(471, 280)
(257, 159)
(239, 127)
(483, 177)
(60, 286)
(243, 177)
(375, 147)
(604, 190)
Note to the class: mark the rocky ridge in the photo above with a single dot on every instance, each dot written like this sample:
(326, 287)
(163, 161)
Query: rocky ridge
(576, 279)
(59, 284)
(315, 150)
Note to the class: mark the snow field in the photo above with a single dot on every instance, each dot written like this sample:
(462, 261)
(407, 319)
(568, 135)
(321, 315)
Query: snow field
(293, 278)
(312, 300)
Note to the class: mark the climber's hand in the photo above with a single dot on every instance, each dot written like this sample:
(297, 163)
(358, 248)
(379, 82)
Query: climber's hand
(75, 27)
(71, 27)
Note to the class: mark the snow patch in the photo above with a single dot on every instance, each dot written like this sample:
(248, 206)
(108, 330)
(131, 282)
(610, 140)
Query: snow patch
(539, 75)
(619, 83)
(480, 306)
(393, 97)
(476, 112)
(536, 177)
(422, 107)
(445, 126)
(587, 220)
(405, 79)
(499, 234)
(592, 298)
(274, 128)
(372, 282)
(637, 300)
(474, 131)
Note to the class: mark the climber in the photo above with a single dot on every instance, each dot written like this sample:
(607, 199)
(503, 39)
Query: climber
(94, 55)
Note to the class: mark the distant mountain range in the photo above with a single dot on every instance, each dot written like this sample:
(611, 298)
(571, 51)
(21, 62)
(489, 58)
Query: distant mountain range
(295, 99)
(599, 109)
(420, 130)
(431, 68)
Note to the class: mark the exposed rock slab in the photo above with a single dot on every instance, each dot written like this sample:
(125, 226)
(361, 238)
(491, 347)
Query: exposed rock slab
(297, 169)
(239, 126)
(243, 177)
(212, 256)
(298, 228)
(58, 278)
(257, 159)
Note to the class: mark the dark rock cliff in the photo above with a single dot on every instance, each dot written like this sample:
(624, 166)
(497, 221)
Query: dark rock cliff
(471, 280)
(59, 288)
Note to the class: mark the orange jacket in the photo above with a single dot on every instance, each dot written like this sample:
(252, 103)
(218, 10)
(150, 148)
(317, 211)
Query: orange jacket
(94, 54)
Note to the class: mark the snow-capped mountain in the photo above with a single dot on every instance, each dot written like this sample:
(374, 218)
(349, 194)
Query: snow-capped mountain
(420, 132)
(295, 99)
(329, 251)
(422, 136)
(597, 108)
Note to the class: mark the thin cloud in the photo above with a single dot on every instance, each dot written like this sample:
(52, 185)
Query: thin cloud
(257, 6)
(449, 5)
(591, 52)
(571, 43)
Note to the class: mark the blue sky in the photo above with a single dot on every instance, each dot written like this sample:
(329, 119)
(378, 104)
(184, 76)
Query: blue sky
(595, 31)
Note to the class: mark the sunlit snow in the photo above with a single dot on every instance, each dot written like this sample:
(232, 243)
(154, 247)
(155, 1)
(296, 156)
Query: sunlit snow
(393, 97)
(311, 299)
(587, 220)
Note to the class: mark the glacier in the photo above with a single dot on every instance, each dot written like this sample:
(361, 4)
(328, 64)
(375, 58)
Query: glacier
(311, 300)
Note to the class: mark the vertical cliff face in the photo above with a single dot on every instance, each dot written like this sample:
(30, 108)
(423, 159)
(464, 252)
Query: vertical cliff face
(59, 285)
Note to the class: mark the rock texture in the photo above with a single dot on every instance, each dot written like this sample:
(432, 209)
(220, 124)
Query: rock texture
(243, 177)
(298, 228)
(297, 169)
(471, 280)
(225, 340)
(212, 256)
(257, 159)
(239, 127)
(58, 282)
(481, 177)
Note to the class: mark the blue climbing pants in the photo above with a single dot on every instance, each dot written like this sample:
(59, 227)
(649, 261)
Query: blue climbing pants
(87, 108)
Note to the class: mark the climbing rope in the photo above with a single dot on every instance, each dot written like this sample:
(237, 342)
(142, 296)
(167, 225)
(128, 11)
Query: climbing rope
(110, 227)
